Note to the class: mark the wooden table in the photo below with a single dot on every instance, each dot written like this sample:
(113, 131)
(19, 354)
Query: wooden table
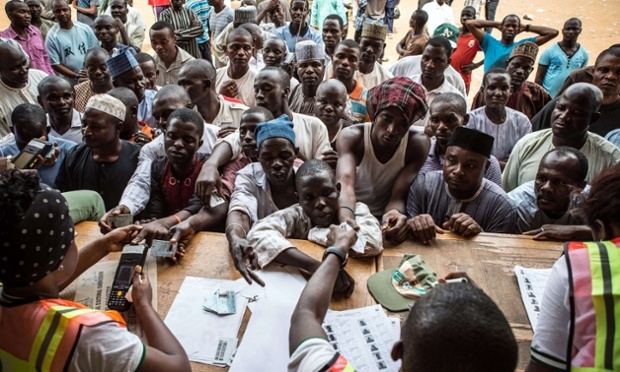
(489, 259)
(208, 257)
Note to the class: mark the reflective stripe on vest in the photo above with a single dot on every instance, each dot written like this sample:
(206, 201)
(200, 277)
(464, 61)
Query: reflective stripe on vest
(594, 272)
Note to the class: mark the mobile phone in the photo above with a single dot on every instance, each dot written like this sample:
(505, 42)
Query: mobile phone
(131, 256)
(29, 156)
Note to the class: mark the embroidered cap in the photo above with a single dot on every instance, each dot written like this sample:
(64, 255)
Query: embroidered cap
(245, 14)
(309, 50)
(122, 63)
(527, 50)
(397, 289)
(280, 127)
(108, 104)
(472, 140)
(374, 30)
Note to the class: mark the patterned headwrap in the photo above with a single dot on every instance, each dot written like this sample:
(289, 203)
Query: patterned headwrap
(37, 244)
(399, 92)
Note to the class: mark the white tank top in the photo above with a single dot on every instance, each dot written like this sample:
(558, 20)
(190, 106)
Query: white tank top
(374, 180)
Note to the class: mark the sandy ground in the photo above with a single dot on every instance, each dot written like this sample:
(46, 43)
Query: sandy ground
(601, 22)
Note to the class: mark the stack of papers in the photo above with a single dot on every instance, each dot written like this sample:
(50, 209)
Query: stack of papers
(365, 337)
(206, 337)
(532, 286)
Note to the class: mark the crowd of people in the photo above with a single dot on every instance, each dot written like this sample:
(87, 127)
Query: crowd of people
(268, 122)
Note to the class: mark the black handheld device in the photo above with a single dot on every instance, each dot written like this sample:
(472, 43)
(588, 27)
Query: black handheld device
(29, 156)
(131, 256)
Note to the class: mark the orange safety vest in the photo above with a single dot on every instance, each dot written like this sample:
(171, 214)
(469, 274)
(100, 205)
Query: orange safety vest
(594, 295)
(42, 335)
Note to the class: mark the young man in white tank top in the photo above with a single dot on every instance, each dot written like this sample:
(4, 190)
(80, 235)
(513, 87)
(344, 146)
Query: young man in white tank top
(378, 161)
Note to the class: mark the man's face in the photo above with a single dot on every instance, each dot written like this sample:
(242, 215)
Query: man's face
(181, 142)
(133, 80)
(390, 127)
(443, 119)
(150, 73)
(215, 2)
(434, 62)
(57, 101)
(277, 15)
(463, 170)
(20, 16)
(311, 72)
(441, 2)
(193, 83)
(276, 156)
(35, 8)
(248, 124)
(554, 184)
(571, 31)
(332, 33)
(96, 69)
(24, 135)
(163, 43)
(330, 104)
(412, 21)
(105, 30)
(497, 90)
(240, 50)
(510, 28)
(299, 12)
(177, 4)
(345, 62)
(99, 129)
(119, 10)
(61, 11)
(571, 116)
(606, 75)
(371, 49)
(519, 69)
(14, 69)
(274, 52)
(268, 91)
(318, 197)
(467, 15)
(163, 107)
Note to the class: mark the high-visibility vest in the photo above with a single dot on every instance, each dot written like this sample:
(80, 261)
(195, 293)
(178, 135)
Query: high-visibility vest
(594, 277)
(42, 336)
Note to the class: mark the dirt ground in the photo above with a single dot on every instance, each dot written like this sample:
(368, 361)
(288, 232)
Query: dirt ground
(601, 22)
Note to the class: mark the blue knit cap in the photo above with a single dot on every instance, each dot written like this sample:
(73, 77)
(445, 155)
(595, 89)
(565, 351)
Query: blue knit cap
(122, 63)
(280, 127)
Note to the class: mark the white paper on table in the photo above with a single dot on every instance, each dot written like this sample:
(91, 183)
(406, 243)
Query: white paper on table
(532, 286)
(94, 285)
(265, 343)
(364, 336)
(200, 331)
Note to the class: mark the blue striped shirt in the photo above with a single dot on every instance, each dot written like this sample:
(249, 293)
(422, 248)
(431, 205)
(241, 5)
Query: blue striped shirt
(202, 9)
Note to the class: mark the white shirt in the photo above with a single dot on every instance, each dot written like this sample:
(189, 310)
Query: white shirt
(378, 75)
(412, 66)
(74, 133)
(12, 97)
(133, 16)
(437, 15)
(245, 85)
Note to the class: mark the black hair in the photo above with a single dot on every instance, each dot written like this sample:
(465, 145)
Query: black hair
(96, 50)
(28, 115)
(239, 31)
(494, 70)
(511, 16)
(335, 17)
(465, 319)
(603, 202)
(173, 90)
(470, 8)
(349, 43)
(574, 19)
(313, 167)
(305, 1)
(204, 67)
(420, 16)
(12, 5)
(50, 81)
(125, 95)
(188, 116)
(285, 78)
(258, 110)
(144, 58)
(441, 42)
(163, 25)
(17, 192)
(455, 99)
(578, 173)
(613, 50)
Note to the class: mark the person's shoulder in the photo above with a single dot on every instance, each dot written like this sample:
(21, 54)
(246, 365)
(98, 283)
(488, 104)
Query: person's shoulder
(517, 115)
(36, 75)
(83, 27)
(523, 193)
(307, 120)
(184, 56)
(537, 137)
(353, 133)
(602, 145)
(236, 106)
(477, 112)
(416, 137)
(426, 179)
(63, 144)
(131, 148)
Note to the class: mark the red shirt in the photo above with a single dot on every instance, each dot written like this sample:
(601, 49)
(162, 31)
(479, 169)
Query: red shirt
(466, 48)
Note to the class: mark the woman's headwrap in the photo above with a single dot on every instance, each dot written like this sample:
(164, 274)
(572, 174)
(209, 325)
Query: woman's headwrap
(400, 92)
(37, 244)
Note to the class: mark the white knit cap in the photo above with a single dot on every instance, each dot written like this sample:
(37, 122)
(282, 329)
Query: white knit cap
(108, 104)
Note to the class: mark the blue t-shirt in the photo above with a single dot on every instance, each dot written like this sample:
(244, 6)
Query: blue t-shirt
(284, 32)
(560, 66)
(496, 53)
(68, 47)
(614, 137)
(47, 175)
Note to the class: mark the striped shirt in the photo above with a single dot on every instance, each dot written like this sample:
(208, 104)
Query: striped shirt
(202, 9)
(218, 21)
(358, 103)
(182, 20)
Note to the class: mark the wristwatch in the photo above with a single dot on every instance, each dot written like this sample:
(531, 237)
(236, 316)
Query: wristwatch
(338, 252)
